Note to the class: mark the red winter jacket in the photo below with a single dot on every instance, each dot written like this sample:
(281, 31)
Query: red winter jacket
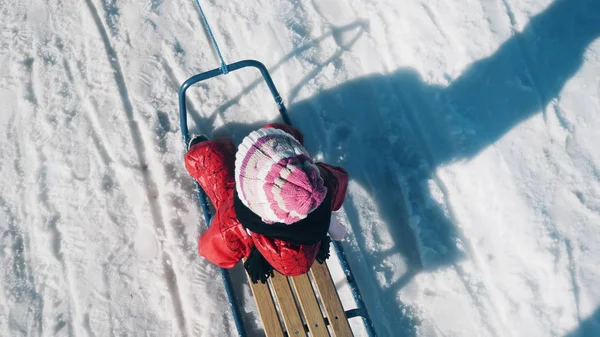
(226, 241)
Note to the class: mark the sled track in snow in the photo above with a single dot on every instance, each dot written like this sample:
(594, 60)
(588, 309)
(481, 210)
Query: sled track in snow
(573, 274)
(148, 182)
(23, 286)
(51, 222)
(572, 264)
(92, 117)
(535, 85)
(434, 19)
(65, 317)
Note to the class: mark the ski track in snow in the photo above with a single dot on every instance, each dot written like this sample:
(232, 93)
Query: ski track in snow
(150, 185)
(98, 217)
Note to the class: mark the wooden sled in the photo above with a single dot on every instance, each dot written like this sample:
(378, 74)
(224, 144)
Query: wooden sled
(306, 305)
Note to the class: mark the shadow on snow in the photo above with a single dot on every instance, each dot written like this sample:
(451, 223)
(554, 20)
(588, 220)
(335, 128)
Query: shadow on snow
(391, 132)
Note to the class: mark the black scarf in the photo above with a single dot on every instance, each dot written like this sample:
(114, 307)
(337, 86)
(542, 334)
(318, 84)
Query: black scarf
(308, 231)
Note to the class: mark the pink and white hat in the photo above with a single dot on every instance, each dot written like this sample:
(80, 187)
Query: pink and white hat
(276, 178)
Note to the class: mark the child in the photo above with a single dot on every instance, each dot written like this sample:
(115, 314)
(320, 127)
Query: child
(273, 204)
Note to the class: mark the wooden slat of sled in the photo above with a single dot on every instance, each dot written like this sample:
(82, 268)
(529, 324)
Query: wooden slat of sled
(287, 305)
(331, 300)
(266, 309)
(306, 298)
(310, 306)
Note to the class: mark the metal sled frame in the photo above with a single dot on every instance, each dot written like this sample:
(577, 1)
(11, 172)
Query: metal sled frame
(360, 310)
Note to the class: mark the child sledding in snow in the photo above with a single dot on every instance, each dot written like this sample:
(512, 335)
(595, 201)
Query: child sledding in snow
(273, 204)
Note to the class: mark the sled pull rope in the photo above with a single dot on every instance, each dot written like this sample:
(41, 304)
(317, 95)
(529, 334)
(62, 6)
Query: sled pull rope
(214, 41)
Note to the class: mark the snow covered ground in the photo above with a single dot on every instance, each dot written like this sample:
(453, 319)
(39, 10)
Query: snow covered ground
(469, 127)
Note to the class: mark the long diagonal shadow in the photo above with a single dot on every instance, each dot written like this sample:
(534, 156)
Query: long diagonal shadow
(391, 132)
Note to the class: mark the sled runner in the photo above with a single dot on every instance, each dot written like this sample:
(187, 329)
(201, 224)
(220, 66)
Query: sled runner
(304, 305)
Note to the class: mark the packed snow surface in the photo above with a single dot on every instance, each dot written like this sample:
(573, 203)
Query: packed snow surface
(470, 130)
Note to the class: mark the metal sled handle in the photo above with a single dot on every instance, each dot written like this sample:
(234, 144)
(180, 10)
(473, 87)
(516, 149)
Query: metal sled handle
(219, 71)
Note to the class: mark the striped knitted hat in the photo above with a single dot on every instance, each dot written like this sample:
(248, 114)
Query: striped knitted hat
(275, 177)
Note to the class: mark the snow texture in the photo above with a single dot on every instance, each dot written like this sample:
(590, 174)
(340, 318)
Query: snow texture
(469, 129)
